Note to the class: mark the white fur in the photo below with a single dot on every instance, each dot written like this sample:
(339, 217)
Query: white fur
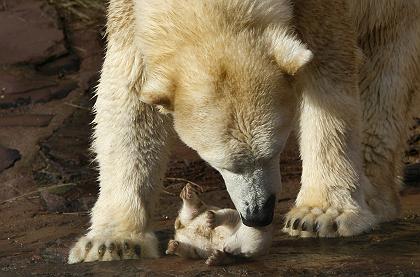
(211, 233)
(232, 97)
(253, 187)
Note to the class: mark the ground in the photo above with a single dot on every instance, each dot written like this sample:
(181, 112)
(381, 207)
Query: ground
(48, 71)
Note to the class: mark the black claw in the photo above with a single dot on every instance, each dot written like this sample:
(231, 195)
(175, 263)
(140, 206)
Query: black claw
(137, 250)
(88, 246)
(111, 247)
(296, 224)
(303, 227)
(288, 224)
(101, 250)
(335, 226)
(316, 227)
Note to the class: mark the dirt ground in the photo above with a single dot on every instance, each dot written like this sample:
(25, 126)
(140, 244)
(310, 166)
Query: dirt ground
(49, 63)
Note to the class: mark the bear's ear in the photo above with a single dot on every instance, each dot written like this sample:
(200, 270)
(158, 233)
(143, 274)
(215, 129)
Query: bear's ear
(290, 53)
(158, 91)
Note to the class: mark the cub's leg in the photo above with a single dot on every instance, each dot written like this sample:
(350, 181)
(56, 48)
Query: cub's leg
(130, 141)
(226, 217)
(185, 250)
(331, 201)
(191, 204)
(220, 258)
(215, 258)
(388, 83)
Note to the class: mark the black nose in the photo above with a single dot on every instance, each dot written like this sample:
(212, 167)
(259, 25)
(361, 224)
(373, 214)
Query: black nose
(259, 217)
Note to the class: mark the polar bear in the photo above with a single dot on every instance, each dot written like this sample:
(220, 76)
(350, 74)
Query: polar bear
(232, 78)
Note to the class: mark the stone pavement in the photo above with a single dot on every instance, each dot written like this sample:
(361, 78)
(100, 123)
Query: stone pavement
(49, 63)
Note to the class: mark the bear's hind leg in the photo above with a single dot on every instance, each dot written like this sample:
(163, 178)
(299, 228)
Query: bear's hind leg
(389, 84)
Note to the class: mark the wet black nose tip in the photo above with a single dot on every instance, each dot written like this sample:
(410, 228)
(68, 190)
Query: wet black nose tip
(259, 217)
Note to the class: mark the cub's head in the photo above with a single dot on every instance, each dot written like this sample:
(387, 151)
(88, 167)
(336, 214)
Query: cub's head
(233, 101)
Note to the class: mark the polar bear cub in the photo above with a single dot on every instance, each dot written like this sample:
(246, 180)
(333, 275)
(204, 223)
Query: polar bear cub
(202, 231)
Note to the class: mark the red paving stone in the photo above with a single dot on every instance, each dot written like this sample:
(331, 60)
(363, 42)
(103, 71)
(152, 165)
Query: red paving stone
(8, 157)
(29, 30)
(25, 120)
(24, 87)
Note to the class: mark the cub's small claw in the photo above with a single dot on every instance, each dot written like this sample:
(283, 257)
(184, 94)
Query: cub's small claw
(172, 247)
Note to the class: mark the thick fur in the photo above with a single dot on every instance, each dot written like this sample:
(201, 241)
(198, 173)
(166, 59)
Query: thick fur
(208, 232)
(233, 76)
(201, 230)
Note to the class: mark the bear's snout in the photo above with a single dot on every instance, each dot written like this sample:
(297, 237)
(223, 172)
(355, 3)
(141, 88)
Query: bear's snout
(259, 215)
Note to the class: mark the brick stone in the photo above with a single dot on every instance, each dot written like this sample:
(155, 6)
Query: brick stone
(8, 157)
(23, 88)
(25, 120)
(29, 32)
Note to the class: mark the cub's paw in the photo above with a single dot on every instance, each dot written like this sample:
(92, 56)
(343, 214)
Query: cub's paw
(90, 249)
(330, 222)
(218, 258)
(211, 219)
(188, 192)
(172, 247)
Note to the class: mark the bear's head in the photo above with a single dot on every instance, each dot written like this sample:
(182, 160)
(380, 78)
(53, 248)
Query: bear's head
(233, 100)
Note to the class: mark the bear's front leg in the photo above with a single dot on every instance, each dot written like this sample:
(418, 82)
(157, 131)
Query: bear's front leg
(130, 140)
(331, 201)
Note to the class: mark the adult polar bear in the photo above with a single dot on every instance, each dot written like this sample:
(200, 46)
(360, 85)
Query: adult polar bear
(232, 74)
